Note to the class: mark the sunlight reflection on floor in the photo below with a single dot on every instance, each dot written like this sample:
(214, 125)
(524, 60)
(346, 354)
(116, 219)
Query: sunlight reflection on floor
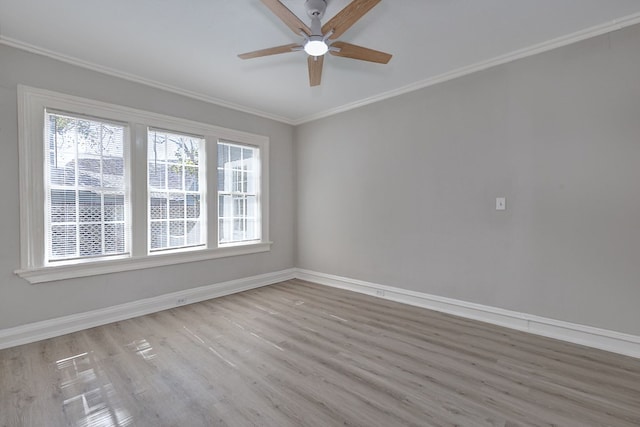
(89, 398)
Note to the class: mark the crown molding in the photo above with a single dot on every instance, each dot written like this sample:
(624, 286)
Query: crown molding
(607, 27)
(137, 79)
(616, 24)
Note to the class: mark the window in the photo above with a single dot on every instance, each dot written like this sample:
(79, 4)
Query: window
(105, 188)
(85, 192)
(238, 196)
(175, 190)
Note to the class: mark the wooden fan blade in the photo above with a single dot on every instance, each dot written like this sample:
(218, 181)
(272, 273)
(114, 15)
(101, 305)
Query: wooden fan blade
(269, 51)
(315, 69)
(286, 16)
(347, 17)
(348, 50)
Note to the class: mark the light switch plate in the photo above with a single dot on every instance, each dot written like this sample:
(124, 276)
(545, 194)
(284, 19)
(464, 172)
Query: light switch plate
(501, 203)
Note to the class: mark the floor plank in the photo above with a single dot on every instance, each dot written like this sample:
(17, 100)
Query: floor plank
(300, 354)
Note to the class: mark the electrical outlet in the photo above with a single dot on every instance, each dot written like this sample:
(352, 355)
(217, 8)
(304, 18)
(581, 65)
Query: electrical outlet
(181, 301)
(379, 293)
(501, 203)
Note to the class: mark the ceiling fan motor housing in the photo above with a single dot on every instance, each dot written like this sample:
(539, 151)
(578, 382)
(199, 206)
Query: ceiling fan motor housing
(316, 8)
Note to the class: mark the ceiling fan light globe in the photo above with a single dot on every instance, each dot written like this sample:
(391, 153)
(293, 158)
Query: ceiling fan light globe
(316, 47)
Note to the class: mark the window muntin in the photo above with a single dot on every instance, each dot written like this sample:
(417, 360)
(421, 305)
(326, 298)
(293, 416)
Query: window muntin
(175, 192)
(238, 193)
(86, 197)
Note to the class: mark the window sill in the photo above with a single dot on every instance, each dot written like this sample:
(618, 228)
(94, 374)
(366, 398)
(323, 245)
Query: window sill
(61, 272)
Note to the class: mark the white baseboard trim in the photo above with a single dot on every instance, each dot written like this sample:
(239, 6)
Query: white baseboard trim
(603, 339)
(37, 331)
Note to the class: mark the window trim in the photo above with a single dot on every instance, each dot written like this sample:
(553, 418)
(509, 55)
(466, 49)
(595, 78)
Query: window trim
(32, 103)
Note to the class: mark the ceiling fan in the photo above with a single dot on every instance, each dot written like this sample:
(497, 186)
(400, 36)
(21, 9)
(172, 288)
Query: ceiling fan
(318, 39)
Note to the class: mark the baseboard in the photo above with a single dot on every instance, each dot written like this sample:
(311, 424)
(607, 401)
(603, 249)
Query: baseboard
(63, 325)
(603, 339)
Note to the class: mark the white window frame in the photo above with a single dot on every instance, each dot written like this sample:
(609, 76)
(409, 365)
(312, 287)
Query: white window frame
(32, 104)
(258, 194)
(127, 195)
(202, 171)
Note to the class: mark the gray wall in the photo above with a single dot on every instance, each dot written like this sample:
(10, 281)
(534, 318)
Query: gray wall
(21, 302)
(402, 192)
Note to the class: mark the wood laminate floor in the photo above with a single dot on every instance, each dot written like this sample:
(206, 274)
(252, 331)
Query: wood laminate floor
(299, 354)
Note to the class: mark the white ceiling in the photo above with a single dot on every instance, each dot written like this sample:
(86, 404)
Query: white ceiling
(190, 46)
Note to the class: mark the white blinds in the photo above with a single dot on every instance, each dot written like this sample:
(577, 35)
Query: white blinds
(87, 204)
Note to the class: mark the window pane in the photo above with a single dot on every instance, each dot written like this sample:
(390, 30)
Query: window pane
(238, 193)
(86, 188)
(176, 206)
(174, 148)
(61, 175)
(252, 181)
(225, 230)
(113, 207)
(90, 207)
(193, 232)
(90, 236)
(158, 206)
(191, 178)
(235, 153)
(225, 208)
(158, 234)
(238, 229)
(114, 238)
(223, 155)
(62, 206)
(174, 190)
(63, 241)
(252, 207)
(251, 228)
(157, 146)
(193, 206)
(176, 233)
(174, 176)
(157, 175)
